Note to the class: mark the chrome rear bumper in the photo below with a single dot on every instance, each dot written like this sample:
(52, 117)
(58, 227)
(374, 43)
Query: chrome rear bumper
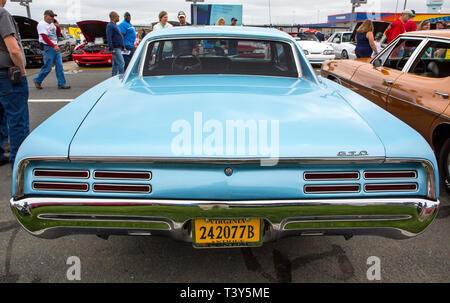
(397, 218)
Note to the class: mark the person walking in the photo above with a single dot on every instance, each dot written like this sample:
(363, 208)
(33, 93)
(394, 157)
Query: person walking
(13, 90)
(143, 34)
(365, 43)
(129, 36)
(49, 31)
(163, 21)
(115, 44)
(397, 27)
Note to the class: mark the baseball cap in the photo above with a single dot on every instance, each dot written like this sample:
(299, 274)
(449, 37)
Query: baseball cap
(181, 14)
(50, 13)
(379, 35)
(234, 19)
(409, 12)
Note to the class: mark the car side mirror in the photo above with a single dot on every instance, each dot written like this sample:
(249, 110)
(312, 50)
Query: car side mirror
(376, 63)
(338, 41)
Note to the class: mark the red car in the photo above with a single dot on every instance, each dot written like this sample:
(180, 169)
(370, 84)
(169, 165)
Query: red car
(95, 49)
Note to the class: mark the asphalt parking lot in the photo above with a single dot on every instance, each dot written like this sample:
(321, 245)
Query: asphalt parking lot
(24, 258)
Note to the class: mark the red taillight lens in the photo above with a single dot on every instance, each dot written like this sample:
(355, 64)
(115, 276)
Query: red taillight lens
(122, 188)
(390, 187)
(374, 175)
(50, 173)
(112, 175)
(323, 189)
(318, 176)
(53, 186)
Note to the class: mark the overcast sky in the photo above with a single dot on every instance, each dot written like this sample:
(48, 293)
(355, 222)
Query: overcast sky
(254, 11)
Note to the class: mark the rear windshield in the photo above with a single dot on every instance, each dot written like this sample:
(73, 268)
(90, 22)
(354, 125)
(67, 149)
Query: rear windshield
(219, 56)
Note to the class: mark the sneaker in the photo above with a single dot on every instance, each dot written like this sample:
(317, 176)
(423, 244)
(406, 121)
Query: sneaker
(38, 85)
(64, 87)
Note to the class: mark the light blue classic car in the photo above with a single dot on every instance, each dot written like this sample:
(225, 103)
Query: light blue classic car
(223, 136)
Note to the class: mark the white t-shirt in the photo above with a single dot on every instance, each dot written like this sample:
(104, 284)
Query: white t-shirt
(160, 26)
(379, 49)
(48, 29)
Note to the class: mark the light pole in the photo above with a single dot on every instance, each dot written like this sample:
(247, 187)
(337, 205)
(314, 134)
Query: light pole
(270, 15)
(25, 3)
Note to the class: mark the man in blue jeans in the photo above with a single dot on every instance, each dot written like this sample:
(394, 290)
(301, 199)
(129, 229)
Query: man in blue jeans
(115, 44)
(129, 37)
(49, 30)
(13, 96)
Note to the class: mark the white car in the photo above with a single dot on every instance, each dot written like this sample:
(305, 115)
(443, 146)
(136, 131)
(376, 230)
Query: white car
(315, 51)
(341, 43)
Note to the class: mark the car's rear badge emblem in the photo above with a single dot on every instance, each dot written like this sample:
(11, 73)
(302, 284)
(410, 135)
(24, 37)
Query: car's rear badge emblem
(353, 154)
(228, 171)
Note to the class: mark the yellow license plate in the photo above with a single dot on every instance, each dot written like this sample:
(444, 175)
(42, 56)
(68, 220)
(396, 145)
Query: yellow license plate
(227, 232)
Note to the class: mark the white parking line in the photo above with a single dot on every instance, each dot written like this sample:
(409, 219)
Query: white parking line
(49, 100)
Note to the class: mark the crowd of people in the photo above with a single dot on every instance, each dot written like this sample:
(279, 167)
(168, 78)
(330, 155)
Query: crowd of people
(368, 44)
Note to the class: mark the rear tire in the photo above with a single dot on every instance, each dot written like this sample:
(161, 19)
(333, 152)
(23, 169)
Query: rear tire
(444, 165)
(344, 55)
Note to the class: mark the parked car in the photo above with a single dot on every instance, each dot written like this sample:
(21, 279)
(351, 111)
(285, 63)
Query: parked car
(223, 151)
(32, 47)
(411, 80)
(30, 41)
(315, 51)
(94, 50)
(341, 43)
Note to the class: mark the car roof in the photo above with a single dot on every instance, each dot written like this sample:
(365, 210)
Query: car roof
(442, 33)
(270, 33)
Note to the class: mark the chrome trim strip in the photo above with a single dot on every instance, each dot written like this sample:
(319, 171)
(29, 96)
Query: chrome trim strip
(390, 171)
(60, 183)
(330, 173)
(122, 191)
(149, 174)
(331, 192)
(416, 105)
(349, 218)
(61, 170)
(390, 190)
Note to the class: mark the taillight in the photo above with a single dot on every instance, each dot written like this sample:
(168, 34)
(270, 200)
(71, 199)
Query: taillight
(52, 173)
(329, 189)
(320, 176)
(379, 175)
(121, 175)
(390, 187)
(122, 188)
(60, 186)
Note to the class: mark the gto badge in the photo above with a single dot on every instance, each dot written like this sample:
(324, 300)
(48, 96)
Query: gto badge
(353, 154)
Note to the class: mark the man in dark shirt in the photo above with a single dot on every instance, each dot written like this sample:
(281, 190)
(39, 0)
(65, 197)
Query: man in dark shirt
(13, 97)
(115, 44)
(185, 47)
(233, 44)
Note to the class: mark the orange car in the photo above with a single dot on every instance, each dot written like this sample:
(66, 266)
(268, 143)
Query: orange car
(410, 78)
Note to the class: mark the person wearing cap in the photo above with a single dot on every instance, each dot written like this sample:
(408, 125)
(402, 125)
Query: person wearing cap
(115, 44)
(129, 37)
(398, 26)
(233, 21)
(233, 44)
(377, 42)
(410, 25)
(185, 47)
(13, 96)
(182, 19)
(49, 31)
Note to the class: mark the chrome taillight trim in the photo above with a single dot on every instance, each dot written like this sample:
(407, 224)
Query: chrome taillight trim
(61, 170)
(331, 173)
(148, 186)
(332, 191)
(416, 187)
(60, 189)
(148, 178)
(390, 172)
